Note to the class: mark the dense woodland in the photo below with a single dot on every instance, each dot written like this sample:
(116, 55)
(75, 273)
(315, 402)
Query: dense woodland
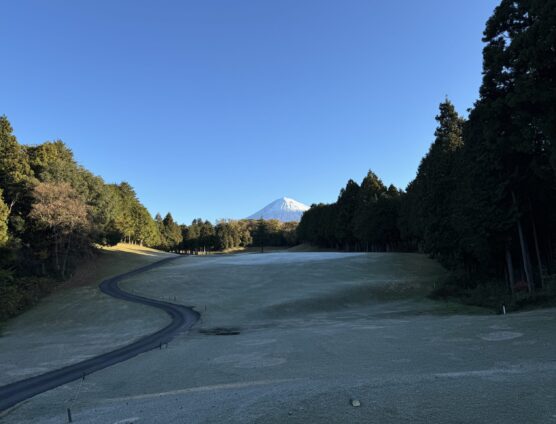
(484, 198)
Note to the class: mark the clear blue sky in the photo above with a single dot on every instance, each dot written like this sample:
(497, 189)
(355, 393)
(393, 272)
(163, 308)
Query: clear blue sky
(214, 108)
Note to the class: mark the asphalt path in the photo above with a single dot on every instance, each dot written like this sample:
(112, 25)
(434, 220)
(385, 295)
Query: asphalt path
(182, 317)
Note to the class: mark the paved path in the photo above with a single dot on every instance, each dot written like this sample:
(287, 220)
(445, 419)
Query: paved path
(182, 318)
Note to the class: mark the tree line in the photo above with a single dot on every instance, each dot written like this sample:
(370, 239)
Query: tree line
(483, 200)
(52, 213)
(203, 236)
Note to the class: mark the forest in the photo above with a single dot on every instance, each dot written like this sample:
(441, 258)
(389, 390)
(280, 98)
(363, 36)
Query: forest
(483, 200)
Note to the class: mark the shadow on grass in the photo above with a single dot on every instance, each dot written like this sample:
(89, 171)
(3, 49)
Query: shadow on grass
(412, 298)
(492, 295)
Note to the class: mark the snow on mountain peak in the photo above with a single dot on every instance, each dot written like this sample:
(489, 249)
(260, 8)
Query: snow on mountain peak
(284, 209)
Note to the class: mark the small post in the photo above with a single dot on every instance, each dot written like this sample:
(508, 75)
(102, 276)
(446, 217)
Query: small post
(69, 416)
(503, 309)
(83, 377)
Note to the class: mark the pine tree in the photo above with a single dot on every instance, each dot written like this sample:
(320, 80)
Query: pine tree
(346, 207)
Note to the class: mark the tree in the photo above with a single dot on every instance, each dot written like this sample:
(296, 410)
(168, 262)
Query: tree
(145, 229)
(206, 235)
(289, 233)
(261, 234)
(172, 232)
(194, 234)
(4, 214)
(383, 230)
(346, 207)
(430, 217)
(372, 188)
(318, 225)
(508, 156)
(59, 210)
(16, 176)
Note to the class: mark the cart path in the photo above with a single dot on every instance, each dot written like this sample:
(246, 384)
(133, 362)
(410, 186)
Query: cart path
(183, 318)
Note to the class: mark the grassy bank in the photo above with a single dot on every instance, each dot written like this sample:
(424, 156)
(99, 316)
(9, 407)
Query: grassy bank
(113, 260)
(17, 294)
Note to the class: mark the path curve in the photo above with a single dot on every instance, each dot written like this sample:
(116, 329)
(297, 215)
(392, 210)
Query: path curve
(183, 318)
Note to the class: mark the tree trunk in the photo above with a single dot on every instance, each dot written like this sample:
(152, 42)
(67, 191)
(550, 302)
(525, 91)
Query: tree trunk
(537, 250)
(524, 252)
(510, 269)
(56, 254)
(525, 255)
(550, 256)
(66, 254)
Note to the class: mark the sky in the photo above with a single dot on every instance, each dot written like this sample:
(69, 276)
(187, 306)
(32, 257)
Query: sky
(214, 108)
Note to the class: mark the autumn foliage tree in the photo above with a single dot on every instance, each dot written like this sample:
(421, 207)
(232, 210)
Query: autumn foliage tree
(63, 217)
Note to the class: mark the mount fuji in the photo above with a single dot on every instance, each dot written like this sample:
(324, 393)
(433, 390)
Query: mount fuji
(284, 209)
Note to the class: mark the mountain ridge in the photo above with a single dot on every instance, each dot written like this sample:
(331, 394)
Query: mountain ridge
(284, 209)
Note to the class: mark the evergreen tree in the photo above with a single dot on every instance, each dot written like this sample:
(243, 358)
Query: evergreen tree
(509, 138)
(4, 213)
(16, 177)
(435, 185)
(261, 234)
(372, 188)
(346, 207)
(163, 243)
(194, 234)
(172, 232)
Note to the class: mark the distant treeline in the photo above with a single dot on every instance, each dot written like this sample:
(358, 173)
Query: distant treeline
(203, 236)
(484, 198)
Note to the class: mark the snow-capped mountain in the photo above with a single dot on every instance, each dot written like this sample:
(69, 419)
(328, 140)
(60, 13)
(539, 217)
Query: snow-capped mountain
(284, 209)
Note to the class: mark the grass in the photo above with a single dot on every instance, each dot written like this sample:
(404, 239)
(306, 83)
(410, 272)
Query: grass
(306, 247)
(113, 260)
(19, 294)
(249, 249)
(493, 294)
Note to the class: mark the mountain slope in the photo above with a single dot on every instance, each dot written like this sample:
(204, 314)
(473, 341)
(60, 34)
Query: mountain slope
(284, 209)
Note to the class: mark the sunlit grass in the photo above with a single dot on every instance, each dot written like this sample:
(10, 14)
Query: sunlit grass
(113, 260)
